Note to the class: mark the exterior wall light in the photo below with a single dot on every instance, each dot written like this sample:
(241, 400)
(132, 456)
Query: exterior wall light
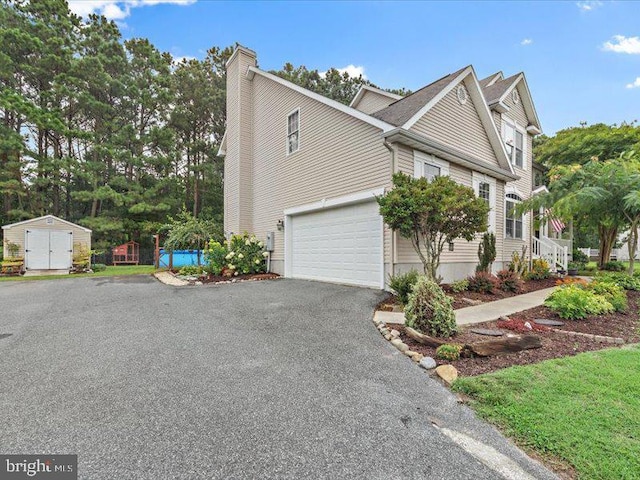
(280, 225)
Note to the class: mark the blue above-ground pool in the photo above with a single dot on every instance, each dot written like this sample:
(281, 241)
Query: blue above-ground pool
(181, 258)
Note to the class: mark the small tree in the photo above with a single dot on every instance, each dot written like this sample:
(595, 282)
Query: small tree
(432, 214)
(486, 252)
(190, 233)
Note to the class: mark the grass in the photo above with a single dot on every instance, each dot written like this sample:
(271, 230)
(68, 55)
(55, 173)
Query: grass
(583, 410)
(111, 271)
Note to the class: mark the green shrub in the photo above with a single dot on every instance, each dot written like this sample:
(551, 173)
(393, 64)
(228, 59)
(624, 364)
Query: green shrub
(486, 252)
(214, 257)
(614, 266)
(449, 352)
(246, 254)
(518, 262)
(614, 294)
(483, 282)
(510, 281)
(539, 269)
(402, 284)
(621, 279)
(573, 302)
(189, 270)
(580, 257)
(429, 309)
(460, 286)
(98, 267)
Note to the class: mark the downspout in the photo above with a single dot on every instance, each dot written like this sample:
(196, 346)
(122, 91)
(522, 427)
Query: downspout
(394, 169)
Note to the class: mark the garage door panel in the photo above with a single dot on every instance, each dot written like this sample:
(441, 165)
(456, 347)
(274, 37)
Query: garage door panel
(339, 245)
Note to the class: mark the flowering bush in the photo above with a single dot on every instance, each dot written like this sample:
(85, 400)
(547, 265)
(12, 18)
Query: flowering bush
(539, 269)
(449, 351)
(242, 254)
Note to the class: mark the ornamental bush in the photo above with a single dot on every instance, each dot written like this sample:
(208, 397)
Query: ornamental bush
(539, 269)
(483, 282)
(621, 279)
(614, 294)
(460, 286)
(449, 351)
(402, 284)
(614, 266)
(573, 302)
(429, 309)
(242, 254)
(510, 281)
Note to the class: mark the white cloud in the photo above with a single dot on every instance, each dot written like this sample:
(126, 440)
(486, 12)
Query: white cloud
(622, 44)
(589, 5)
(526, 41)
(180, 59)
(116, 9)
(634, 84)
(352, 70)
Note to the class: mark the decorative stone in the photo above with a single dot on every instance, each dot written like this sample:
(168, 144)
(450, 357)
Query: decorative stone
(387, 336)
(470, 301)
(395, 333)
(504, 318)
(428, 363)
(399, 344)
(409, 353)
(487, 332)
(384, 331)
(448, 373)
(417, 357)
(548, 323)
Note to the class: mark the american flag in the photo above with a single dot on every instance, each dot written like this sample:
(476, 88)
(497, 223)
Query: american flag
(557, 224)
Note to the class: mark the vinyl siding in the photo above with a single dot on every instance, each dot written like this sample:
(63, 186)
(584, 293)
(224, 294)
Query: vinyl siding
(373, 101)
(338, 155)
(238, 160)
(466, 252)
(16, 234)
(524, 184)
(458, 126)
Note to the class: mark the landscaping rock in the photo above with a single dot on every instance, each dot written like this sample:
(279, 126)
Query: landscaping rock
(399, 344)
(417, 357)
(504, 318)
(548, 323)
(384, 331)
(428, 363)
(448, 373)
(409, 353)
(387, 336)
(397, 309)
(487, 332)
(505, 345)
(395, 333)
(472, 302)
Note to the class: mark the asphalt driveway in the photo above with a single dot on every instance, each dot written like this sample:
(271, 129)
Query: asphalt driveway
(275, 379)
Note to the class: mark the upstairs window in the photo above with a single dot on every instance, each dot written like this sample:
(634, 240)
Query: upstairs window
(293, 132)
(428, 166)
(514, 143)
(513, 222)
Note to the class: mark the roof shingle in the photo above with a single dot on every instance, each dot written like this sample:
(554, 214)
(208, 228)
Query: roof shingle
(495, 91)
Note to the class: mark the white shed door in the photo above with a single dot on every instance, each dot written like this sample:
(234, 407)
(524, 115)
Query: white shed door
(342, 245)
(48, 249)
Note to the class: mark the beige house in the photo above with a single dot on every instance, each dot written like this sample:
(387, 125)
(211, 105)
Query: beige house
(305, 169)
(46, 243)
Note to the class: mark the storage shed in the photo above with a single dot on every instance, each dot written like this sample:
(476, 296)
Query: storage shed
(46, 243)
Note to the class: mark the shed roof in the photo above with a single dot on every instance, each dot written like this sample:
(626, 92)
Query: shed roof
(31, 220)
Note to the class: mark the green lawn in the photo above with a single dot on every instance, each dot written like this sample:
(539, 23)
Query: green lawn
(583, 410)
(111, 271)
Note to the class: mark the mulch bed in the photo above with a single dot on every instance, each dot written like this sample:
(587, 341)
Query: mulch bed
(239, 278)
(554, 345)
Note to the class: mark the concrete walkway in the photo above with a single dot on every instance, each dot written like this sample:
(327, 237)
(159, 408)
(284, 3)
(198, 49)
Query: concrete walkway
(487, 311)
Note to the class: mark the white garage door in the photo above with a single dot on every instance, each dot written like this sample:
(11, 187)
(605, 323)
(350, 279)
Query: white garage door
(342, 245)
(48, 249)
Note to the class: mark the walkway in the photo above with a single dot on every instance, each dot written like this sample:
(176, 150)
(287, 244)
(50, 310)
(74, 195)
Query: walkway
(487, 311)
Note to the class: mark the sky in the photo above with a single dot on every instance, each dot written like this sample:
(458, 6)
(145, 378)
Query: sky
(581, 58)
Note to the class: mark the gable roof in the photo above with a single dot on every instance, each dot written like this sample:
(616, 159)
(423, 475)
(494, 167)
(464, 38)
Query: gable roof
(491, 79)
(24, 222)
(365, 88)
(384, 126)
(403, 110)
(496, 93)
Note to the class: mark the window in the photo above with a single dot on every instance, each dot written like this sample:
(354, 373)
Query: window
(514, 222)
(293, 132)
(428, 166)
(514, 142)
(485, 188)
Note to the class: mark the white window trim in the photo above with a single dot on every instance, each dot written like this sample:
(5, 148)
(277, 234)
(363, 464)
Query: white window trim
(525, 140)
(476, 179)
(287, 132)
(525, 217)
(420, 158)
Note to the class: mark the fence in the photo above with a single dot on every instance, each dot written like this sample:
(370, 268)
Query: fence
(146, 257)
(620, 254)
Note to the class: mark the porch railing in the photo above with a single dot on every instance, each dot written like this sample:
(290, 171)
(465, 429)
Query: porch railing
(555, 254)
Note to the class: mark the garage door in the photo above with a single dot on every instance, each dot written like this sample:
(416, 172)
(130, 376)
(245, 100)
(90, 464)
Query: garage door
(342, 245)
(48, 249)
